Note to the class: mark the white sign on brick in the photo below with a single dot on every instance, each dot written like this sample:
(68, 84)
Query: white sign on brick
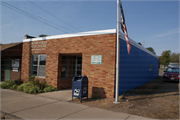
(96, 59)
(38, 46)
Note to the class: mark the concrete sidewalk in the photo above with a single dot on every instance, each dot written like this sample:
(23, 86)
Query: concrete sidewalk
(45, 106)
(63, 95)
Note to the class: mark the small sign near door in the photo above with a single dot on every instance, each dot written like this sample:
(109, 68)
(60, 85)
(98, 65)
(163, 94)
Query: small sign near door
(15, 63)
(96, 59)
(15, 69)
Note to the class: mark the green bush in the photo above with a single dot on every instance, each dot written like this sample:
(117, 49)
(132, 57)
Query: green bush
(34, 89)
(54, 88)
(8, 84)
(46, 85)
(26, 88)
(27, 84)
(42, 84)
(11, 87)
(40, 91)
(49, 88)
(20, 88)
(14, 86)
(37, 88)
(23, 87)
(5, 85)
(32, 79)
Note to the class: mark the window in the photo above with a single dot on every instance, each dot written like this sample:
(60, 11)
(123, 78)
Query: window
(38, 65)
(172, 70)
(64, 68)
(79, 65)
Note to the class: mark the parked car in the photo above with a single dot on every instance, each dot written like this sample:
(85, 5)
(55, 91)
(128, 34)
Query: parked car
(172, 74)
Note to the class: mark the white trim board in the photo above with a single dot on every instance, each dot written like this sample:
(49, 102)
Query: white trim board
(99, 32)
(89, 33)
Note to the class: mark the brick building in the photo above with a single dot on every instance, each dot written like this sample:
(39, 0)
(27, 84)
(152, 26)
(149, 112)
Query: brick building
(56, 59)
(11, 61)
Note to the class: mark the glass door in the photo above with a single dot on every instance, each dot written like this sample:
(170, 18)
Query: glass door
(7, 70)
(78, 68)
(64, 67)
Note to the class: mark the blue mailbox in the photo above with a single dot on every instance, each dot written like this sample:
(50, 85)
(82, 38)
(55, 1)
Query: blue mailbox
(80, 87)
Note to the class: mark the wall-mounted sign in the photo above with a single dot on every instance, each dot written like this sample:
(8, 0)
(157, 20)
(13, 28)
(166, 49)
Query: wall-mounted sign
(96, 59)
(15, 69)
(15, 63)
(38, 46)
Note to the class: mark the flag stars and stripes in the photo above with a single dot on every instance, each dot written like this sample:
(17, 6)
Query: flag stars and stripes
(123, 27)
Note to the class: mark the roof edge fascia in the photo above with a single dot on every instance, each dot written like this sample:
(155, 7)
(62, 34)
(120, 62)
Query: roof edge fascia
(89, 33)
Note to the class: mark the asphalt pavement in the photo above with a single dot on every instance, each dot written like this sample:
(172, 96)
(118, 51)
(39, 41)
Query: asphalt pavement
(54, 105)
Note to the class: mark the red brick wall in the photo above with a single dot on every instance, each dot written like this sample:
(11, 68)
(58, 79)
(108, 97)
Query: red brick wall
(15, 75)
(100, 77)
(25, 63)
(52, 68)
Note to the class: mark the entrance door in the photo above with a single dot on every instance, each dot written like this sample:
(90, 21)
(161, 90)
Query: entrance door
(78, 67)
(7, 70)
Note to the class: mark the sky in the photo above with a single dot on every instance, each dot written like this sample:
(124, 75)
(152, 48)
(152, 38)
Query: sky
(154, 22)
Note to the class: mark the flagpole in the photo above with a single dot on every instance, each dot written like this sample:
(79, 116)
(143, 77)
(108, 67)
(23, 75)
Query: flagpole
(117, 54)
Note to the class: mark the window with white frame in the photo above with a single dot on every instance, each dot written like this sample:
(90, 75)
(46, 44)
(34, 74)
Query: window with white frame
(38, 65)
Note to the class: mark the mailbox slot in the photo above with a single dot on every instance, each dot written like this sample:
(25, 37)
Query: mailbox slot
(77, 78)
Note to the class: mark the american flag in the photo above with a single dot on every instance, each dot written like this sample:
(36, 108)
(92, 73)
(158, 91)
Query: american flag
(123, 27)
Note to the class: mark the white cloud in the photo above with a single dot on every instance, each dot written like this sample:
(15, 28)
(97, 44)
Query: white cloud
(170, 32)
(164, 36)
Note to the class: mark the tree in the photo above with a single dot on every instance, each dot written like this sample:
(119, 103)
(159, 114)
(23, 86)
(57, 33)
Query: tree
(174, 58)
(164, 59)
(151, 49)
(139, 43)
(43, 35)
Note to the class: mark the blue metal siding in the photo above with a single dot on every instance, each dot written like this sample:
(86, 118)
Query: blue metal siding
(134, 67)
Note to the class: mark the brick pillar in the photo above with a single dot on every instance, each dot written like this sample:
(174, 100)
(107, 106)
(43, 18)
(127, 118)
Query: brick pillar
(52, 68)
(26, 61)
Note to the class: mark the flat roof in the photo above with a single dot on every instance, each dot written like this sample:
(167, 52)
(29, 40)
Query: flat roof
(89, 33)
